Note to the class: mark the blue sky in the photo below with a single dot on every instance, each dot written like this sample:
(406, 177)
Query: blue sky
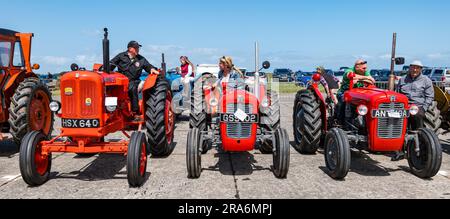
(295, 34)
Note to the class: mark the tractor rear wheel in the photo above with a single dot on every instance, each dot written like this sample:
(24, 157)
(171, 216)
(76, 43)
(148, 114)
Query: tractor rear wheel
(198, 115)
(427, 162)
(432, 118)
(193, 154)
(307, 122)
(137, 159)
(337, 153)
(29, 109)
(34, 167)
(160, 119)
(270, 121)
(281, 156)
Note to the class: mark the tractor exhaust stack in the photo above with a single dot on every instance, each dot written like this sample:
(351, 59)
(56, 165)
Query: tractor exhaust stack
(256, 89)
(106, 66)
(392, 75)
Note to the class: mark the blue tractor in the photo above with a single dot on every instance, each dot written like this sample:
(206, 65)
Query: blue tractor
(177, 88)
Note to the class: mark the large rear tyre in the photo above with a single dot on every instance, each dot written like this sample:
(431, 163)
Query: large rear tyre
(198, 114)
(270, 121)
(160, 119)
(281, 156)
(34, 167)
(432, 119)
(193, 154)
(29, 109)
(337, 154)
(137, 159)
(427, 161)
(307, 122)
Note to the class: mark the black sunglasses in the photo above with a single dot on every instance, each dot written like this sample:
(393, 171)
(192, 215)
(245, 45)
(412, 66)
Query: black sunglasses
(362, 63)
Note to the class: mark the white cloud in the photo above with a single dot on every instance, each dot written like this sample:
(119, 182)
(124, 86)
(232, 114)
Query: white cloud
(92, 33)
(88, 60)
(55, 60)
(436, 56)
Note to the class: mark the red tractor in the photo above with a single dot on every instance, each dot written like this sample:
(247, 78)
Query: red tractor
(94, 104)
(234, 117)
(24, 98)
(375, 120)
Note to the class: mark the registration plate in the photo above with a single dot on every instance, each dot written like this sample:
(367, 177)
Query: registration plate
(233, 118)
(80, 123)
(394, 114)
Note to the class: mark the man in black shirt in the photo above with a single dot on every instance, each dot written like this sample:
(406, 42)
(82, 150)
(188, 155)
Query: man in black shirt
(131, 64)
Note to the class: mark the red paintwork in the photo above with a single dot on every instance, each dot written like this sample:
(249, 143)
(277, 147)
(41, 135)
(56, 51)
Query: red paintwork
(372, 98)
(323, 107)
(316, 77)
(76, 88)
(238, 145)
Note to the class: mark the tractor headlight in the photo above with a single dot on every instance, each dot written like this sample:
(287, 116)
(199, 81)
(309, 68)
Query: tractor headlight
(413, 110)
(213, 102)
(362, 110)
(111, 103)
(55, 106)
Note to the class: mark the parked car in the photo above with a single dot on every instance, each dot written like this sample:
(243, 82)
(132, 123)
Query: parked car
(302, 78)
(427, 71)
(283, 74)
(375, 73)
(249, 78)
(210, 68)
(440, 75)
(339, 75)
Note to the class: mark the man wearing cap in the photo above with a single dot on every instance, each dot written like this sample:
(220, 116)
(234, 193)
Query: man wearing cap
(361, 74)
(131, 64)
(419, 90)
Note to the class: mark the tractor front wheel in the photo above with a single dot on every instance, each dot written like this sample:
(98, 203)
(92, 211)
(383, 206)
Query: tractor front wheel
(137, 159)
(160, 119)
(29, 109)
(337, 153)
(34, 166)
(426, 162)
(198, 114)
(193, 154)
(281, 156)
(307, 122)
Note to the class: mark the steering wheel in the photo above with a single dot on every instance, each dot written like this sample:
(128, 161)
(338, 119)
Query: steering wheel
(367, 83)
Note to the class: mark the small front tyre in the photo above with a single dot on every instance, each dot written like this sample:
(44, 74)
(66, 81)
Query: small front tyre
(193, 154)
(281, 155)
(34, 166)
(337, 154)
(426, 162)
(137, 159)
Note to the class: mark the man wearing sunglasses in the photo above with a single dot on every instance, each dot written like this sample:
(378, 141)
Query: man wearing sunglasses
(362, 74)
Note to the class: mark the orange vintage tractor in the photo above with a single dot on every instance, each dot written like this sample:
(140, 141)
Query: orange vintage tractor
(24, 98)
(94, 104)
